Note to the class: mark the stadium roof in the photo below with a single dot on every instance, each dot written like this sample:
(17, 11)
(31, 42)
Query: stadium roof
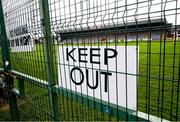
(144, 25)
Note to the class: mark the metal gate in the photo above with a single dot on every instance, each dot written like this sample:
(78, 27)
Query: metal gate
(91, 60)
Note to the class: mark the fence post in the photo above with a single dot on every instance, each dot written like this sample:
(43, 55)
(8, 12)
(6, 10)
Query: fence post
(12, 98)
(48, 44)
(21, 87)
(7, 67)
(4, 41)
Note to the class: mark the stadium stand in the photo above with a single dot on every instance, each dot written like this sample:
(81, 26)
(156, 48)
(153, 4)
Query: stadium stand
(131, 28)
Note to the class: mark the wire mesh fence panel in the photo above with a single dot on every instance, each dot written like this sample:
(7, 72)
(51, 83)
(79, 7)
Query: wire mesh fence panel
(35, 106)
(24, 34)
(96, 59)
(27, 56)
(146, 85)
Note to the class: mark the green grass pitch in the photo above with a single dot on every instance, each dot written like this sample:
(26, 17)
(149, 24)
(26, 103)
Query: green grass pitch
(163, 79)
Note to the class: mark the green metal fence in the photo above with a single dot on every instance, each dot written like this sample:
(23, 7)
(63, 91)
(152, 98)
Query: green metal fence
(61, 57)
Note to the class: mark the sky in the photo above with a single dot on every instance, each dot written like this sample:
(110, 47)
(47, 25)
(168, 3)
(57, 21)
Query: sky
(69, 14)
(113, 9)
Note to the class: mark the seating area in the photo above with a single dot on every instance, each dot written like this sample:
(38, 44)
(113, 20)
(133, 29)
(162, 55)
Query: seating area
(143, 36)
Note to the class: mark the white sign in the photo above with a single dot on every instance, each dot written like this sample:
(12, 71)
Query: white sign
(27, 48)
(106, 73)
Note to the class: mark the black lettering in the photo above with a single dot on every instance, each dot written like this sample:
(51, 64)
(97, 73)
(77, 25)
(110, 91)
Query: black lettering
(106, 56)
(82, 54)
(87, 76)
(69, 54)
(82, 79)
(106, 74)
(94, 55)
